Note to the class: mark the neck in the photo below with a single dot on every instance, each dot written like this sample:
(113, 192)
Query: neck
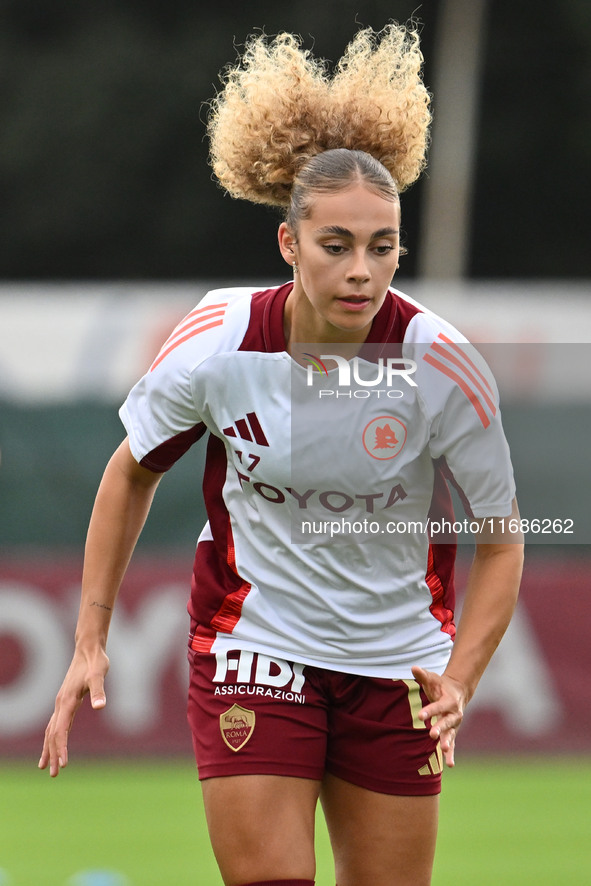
(303, 325)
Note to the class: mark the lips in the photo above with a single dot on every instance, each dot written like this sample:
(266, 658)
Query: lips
(354, 302)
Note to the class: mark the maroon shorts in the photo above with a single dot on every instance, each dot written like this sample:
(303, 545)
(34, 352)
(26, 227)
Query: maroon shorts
(250, 714)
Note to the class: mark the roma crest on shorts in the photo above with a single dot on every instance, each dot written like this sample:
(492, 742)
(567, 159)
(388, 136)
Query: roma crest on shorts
(237, 726)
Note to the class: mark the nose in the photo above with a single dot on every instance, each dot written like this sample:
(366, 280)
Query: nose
(358, 269)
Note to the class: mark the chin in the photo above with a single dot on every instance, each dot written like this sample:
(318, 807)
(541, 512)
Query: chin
(354, 325)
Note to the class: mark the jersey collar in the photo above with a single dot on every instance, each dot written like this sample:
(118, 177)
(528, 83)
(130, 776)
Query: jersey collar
(274, 337)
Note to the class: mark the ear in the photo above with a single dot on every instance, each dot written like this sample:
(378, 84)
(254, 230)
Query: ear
(287, 243)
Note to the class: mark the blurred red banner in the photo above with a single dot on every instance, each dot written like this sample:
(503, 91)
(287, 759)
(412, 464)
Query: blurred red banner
(535, 696)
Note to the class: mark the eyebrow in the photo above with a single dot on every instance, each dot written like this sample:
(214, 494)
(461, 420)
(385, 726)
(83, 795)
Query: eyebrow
(345, 232)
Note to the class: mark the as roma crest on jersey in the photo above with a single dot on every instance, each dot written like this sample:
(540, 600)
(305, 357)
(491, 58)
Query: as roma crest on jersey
(237, 726)
(384, 437)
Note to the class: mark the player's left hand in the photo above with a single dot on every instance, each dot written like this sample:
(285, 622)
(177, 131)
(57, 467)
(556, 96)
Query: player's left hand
(447, 699)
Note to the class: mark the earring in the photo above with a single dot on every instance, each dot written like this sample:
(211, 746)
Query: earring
(295, 268)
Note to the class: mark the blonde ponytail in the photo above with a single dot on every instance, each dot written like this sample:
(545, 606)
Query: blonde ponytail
(279, 107)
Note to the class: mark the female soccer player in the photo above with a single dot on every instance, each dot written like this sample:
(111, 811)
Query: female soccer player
(323, 660)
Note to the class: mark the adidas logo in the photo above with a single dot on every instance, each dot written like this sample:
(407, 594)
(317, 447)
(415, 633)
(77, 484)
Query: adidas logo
(248, 428)
(435, 764)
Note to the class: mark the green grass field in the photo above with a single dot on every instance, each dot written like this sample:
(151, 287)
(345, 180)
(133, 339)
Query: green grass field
(517, 821)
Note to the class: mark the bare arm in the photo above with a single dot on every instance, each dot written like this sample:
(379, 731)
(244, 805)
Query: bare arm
(491, 595)
(122, 504)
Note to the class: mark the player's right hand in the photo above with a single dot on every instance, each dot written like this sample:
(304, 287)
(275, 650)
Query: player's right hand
(86, 675)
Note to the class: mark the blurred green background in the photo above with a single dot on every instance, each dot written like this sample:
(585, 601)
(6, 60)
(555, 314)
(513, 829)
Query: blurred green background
(519, 821)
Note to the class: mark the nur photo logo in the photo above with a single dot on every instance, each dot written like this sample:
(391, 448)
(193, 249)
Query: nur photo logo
(350, 380)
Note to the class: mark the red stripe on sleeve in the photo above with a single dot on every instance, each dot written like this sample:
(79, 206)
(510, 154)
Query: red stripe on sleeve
(192, 319)
(463, 385)
(443, 352)
(180, 341)
(464, 356)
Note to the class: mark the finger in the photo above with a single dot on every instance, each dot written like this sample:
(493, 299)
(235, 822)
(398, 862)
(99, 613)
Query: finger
(57, 732)
(55, 760)
(48, 755)
(44, 758)
(435, 715)
(58, 751)
(448, 757)
(448, 747)
(421, 675)
(51, 757)
(445, 719)
(447, 737)
(429, 682)
(96, 688)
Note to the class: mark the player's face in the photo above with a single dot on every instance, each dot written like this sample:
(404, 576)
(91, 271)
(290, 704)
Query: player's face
(346, 253)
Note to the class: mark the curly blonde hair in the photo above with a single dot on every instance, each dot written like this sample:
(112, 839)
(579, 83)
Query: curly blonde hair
(280, 107)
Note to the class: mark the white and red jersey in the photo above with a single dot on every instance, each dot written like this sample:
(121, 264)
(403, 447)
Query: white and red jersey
(286, 459)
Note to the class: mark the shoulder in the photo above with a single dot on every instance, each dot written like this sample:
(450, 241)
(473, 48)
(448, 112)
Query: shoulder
(448, 368)
(423, 325)
(217, 324)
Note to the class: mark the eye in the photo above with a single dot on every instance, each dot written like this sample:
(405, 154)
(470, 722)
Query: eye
(334, 248)
(383, 248)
